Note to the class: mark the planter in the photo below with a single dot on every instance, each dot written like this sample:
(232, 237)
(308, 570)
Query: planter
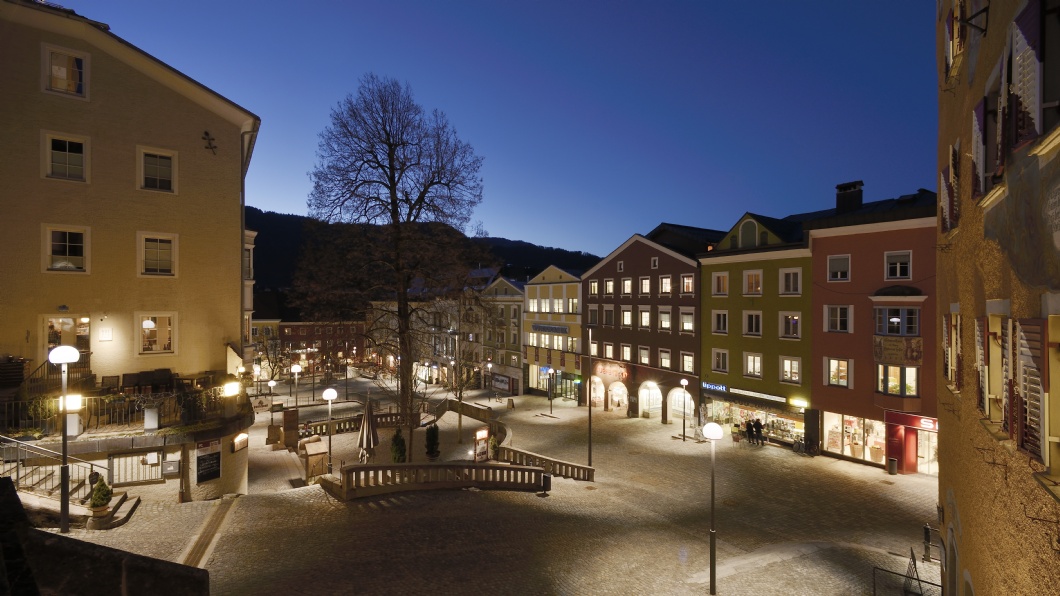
(433, 456)
(98, 512)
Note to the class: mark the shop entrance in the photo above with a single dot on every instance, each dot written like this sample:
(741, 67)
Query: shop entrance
(619, 397)
(650, 400)
(927, 453)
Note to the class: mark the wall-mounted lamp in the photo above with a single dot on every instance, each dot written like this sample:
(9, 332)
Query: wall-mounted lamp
(85, 319)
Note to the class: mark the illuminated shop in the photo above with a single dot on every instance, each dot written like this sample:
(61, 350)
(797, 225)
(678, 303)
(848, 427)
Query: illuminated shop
(782, 418)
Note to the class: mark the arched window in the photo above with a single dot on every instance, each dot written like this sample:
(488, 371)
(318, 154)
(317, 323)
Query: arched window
(748, 234)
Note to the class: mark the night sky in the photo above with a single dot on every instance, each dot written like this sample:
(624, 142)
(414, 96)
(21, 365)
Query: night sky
(597, 120)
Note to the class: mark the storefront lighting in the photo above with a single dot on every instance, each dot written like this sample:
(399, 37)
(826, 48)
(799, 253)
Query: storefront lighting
(798, 402)
(84, 319)
(231, 388)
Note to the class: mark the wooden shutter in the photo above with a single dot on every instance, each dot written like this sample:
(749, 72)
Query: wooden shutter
(1026, 73)
(981, 335)
(1031, 347)
(955, 183)
(944, 199)
(1002, 116)
(1008, 386)
(946, 356)
(978, 173)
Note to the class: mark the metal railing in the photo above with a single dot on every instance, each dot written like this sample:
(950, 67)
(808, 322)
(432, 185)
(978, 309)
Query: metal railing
(357, 481)
(37, 470)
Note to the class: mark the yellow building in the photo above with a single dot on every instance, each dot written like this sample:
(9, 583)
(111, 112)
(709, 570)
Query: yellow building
(552, 333)
(123, 202)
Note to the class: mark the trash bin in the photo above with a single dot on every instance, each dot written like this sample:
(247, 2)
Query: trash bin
(546, 482)
(892, 466)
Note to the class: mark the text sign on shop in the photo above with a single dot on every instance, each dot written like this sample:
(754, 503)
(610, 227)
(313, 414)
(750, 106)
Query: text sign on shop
(921, 422)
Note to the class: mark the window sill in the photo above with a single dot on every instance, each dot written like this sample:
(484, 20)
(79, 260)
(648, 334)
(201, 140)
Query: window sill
(719, 295)
(791, 383)
(756, 335)
(721, 333)
(993, 428)
(791, 337)
(790, 294)
(844, 280)
(993, 197)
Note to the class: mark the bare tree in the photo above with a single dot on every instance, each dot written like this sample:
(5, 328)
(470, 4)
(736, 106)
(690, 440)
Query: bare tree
(384, 160)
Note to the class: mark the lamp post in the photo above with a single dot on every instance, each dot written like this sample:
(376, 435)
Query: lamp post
(329, 396)
(257, 377)
(64, 355)
(684, 406)
(296, 368)
(489, 369)
(712, 431)
(589, 390)
(272, 412)
(551, 372)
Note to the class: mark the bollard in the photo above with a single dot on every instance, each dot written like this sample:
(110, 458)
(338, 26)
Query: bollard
(927, 542)
(546, 483)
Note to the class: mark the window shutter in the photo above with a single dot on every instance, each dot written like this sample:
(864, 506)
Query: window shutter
(944, 199)
(978, 148)
(1002, 116)
(946, 346)
(981, 350)
(1026, 72)
(1031, 342)
(949, 41)
(955, 183)
(1007, 378)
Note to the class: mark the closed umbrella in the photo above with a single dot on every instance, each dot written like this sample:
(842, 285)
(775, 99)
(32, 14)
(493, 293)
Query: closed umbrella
(368, 436)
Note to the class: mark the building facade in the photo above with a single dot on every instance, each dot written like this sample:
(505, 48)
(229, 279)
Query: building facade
(999, 295)
(502, 341)
(552, 334)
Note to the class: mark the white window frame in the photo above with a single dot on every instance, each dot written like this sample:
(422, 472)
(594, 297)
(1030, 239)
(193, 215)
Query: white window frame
(594, 348)
(609, 350)
(46, 71)
(627, 317)
(828, 318)
(719, 356)
(849, 383)
(666, 285)
(609, 287)
(627, 353)
(881, 370)
(627, 286)
(141, 154)
(594, 287)
(752, 364)
(687, 319)
(688, 362)
(655, 262)
(790, 363)
(644, 355)
(641, 322)
(609, 308)
(746, 320)
(719, 329)
(908, 264)
(664, 358)
(557, 305)
(141, 248)
(783, 281)
(621, 266)
(139, 317)
(747, 287)
(46, 248)
(723, 276)
(665, 322)
(645, 286)
(846, 272)
(688, 284)
(46, 156)
(782, 324)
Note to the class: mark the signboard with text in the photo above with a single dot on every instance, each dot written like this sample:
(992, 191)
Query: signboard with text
(207, 460)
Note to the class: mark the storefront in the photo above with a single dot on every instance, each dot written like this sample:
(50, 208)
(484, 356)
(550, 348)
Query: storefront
(862, 439)
(782, 422)
(913, 441)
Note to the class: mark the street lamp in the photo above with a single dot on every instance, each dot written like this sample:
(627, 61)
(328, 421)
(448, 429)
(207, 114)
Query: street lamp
(489, 369)
(257, 377)
(296, 368)
(589, 390)
(65, 355)
(272, 412)
(551, 372)
(712, 431)
(684, 406)
(329, 396)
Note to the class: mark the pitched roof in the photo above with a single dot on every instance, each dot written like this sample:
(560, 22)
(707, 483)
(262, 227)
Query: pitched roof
(686, 240)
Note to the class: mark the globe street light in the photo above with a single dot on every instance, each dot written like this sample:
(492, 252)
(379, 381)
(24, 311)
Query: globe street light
(329, 396)
(684, 406)
(296, 368)
(551, 372)
(64, 355)
(489, 369)
(712, 431)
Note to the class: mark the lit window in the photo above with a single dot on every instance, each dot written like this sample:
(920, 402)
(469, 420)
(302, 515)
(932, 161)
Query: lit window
(790, 369)
(688, 362)
(664, 358)
(664, 320)
(593, 349)
(627, 316)
(609, 287)
(838, 372)
(665, 285)
(752, 283)
(645, 354)
(897, 380)
(594, 287)
(557, 305)
(572, 305)
(156, 333)
(898, 321)
(752, 365)
(609, 351)
(688, 321)
(66, 72)
(627, 286)
(645, 318)
(627, 352)
(720, 287)
(687, 284)
(645, 286)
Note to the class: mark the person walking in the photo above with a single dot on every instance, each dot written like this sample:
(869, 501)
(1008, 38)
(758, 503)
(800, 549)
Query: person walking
(750, 426)
(758, 431)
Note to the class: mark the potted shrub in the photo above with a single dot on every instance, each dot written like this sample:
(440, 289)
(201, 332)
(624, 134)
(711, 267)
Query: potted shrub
(397, 447)
(431, 442)
(99, 504)
(493, 446)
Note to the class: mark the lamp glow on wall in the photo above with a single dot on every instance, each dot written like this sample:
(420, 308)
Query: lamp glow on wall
(64, 356)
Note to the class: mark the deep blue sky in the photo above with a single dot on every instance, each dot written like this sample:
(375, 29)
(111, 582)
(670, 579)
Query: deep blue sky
(597, 120)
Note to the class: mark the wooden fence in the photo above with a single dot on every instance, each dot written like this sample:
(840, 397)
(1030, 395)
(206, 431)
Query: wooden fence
(356, 481)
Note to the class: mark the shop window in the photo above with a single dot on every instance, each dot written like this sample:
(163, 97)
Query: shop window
(838, 372)
(898, 321)
(897, 380)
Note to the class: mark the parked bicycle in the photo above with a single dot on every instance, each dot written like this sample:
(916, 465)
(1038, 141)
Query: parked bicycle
(801, 447)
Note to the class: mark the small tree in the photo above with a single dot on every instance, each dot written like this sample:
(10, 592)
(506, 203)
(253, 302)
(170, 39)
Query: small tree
(397, 447)
(101, 494)
(431, 440)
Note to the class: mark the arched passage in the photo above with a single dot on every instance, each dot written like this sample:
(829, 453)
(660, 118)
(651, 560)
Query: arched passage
(651, 400)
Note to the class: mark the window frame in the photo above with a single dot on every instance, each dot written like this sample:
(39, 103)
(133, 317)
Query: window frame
(714, 278)
(660, 319)
(688, 362)
(846, 383)
(849, 319)
(687, 314)
(626, 320)
(783, 281)
(908, 265)
(747, 314)
(747, 275)
(782, 326)
(609, 287)
(47, 50)
(665, 360)
(47, 136)
(139, 317)
(884, 325)
(142, 152)
(609, 350)
(645, 281)
(641, 322)
(141, 257)
(688, 284)
(846, 270)
(594, 287)
(626, 353)
(881, 375)
(748, 368)
(627, 286)
(46, 248)
(785, 366)
(719, 329)
(666, 285)
(644, 355)
(715, 353)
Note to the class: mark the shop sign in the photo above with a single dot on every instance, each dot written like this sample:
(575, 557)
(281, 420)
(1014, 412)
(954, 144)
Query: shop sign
(207, 460)
(715, 387)
(901, 351)
(782, 400)
(611, 369)
(501, 382)
(554, 329)
(920, 422)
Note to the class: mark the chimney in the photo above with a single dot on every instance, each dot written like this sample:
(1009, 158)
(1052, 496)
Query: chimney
(848, 197)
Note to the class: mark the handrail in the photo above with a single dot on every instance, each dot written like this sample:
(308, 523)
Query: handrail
(552, 466)
(38, 448)
(356, 481)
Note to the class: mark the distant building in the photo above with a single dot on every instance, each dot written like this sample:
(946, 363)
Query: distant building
(552, 334)
(502, 344)
(999, 295)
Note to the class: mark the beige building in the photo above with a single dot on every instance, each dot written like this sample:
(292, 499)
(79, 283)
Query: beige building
(502, 340)
(552, 328)
(999, 296)
(123, 198)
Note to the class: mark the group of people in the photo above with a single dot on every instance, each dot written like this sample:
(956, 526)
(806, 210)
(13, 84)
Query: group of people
(753, 431)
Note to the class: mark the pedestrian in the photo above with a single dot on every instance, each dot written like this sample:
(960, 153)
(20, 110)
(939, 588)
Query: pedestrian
(758, 431)
(750, 431)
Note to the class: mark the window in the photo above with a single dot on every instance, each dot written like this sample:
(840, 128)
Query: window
(720, 284)
(157, 169)
(609, 315)
(302, 331)
(594, 316)
(789, 370)
(158, 254)
(66, 71)
(515, 313)
(156, 333)
(899, 265)
(748, 234)
(752, 283)
(664, 358)
(897, 380)
(267, 331)
(627, 352)
(645, 317)
(721, 321)
(655, 262)
(645, 286)
(665, 285)
(544, 305)
(557, 305)
(645, 354)
(664, 319)
(752, 365)
(789, 325)
(838, 319)
(609, 350)
(688, 362)
(572, 306)
(627, 316)
(593, 348)
(838, 372)
(791, 281)
(688, 284)
(609, 287)
(66, 249)
(66, 157)
(571, 347)
(752, 323)
(839, 268)
(719, 360)
(627, 286)
(594, 287)
(898, 321)
(621, 266)
(688, 321)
